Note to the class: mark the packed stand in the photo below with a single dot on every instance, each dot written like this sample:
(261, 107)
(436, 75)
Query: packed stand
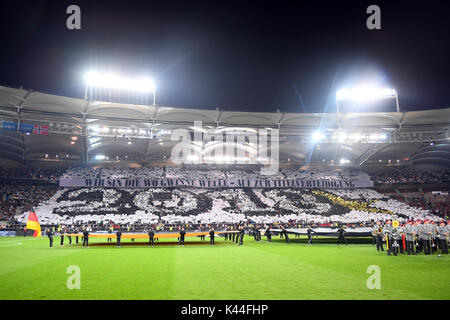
(16, 198)
(410, 177)
(196, 205)
(35, 174)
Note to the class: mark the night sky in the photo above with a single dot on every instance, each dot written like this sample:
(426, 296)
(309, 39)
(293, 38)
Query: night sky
(236, 55)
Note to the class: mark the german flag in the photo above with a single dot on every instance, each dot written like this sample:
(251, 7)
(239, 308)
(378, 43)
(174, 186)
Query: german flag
(33, 224)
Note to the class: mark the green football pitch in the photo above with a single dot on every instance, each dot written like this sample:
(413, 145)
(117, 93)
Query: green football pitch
(29, 269)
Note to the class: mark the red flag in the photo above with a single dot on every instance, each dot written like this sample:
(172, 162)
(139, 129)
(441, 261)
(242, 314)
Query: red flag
(403, 240)
(40, 129)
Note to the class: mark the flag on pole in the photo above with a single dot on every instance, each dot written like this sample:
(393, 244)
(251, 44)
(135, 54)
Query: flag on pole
(10, 126)
(33, 224)
(26, 127)
(403, 240)
(40, 129)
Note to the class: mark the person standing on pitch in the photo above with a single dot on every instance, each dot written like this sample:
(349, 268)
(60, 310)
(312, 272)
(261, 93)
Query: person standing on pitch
(119, 236)
(110, 230)
(85, 237)
(132, 230)
(374, 235)
(69, 231)
(378, 233)
(61, 235)
(419, 241)
(410, 232)
(77, 230)
(151, 237)
(341, 232)
(425, 236)
(284, 234)
(310, 232)
(236, 238)
(429, 234)
(268, 234)
(396, 236)
(434, 236)
(211, 236)
(255, 233)
(202, 237)
(50, 236)
(448, 232)
(387, 231)
(241, 236)
(443, 237)
(182, 234)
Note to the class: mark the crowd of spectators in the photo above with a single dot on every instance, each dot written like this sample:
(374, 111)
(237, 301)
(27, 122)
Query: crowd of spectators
(410, 177)
(19, 197)
(177, 206)
(440, 208)
(357, 194)
(35, 174)
(183, 173)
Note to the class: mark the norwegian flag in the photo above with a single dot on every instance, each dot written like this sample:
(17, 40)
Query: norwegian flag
(40, 129)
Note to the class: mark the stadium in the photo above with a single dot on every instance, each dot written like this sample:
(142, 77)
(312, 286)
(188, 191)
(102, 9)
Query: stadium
(114, 195)
(397, 163)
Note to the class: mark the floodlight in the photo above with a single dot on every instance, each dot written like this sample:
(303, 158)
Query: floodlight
(378, 137)
(317, 136)
(342, 137)
(356, 137)
(115, 82)
(365, 93)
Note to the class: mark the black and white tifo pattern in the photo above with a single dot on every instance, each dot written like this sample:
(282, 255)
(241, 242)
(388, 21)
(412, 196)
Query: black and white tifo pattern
(193, 205)
(182, 205)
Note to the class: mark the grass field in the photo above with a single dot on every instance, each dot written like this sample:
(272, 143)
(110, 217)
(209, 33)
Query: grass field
(29, 269)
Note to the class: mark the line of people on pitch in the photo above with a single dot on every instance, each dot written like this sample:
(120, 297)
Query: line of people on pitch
(151, 237)
(50, 232)
(413, 237)
(284, 234)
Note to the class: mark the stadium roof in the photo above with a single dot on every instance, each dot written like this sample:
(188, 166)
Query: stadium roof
(417, 137)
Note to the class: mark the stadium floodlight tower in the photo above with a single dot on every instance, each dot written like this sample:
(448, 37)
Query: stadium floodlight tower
(366, 93)
(113, 82)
